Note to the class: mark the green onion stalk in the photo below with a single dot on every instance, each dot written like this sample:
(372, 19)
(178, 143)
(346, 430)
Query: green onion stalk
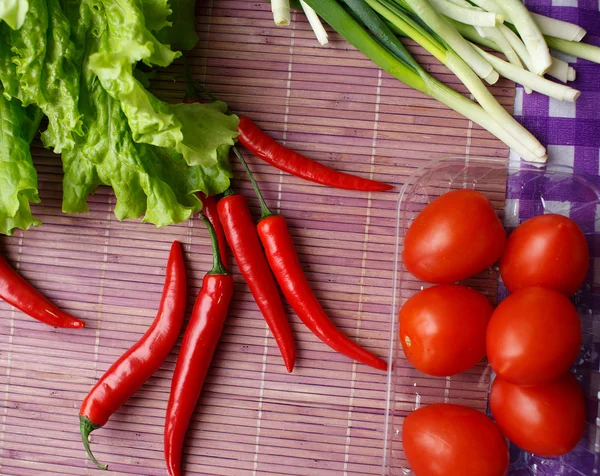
(428, 14)
(391, 55)
(455, 63)
(570, 47)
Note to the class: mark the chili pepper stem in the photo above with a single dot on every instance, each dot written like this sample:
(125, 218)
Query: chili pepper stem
(210, 95)
(218, 266)
(190, 90)
(86, 427)
(264, 209)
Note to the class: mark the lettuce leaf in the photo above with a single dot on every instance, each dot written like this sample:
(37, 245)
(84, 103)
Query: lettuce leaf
(148, 181)
(126, 41)
(13, 12)
(46, 67)
(76, 61)
(18, 178)
(181, 34)
(156, 13)
(8, 70)
(205, 128)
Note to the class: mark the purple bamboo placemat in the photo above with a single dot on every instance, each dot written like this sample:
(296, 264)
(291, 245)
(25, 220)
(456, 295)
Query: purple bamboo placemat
(254, 418)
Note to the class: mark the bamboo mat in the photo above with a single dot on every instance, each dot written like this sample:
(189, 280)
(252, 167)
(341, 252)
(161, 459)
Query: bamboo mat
(328, 416)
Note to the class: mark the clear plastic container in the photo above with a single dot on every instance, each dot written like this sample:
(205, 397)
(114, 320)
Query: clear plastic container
(529, 192)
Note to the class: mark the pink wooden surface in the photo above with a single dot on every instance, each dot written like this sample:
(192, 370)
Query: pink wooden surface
(327, 417)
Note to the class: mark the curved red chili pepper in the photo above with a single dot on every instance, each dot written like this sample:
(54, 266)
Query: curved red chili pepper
(284, 261)
(209, 210)
(197, 349)
(138, 364)
(279, 156)
(22, 295)
(242, 238)
(285, 264)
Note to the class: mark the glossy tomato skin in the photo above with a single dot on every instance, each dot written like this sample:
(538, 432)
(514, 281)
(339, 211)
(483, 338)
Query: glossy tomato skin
(452, 440)
(546, 419)
(534, 336)
(456, 236)
(443, 329)
(547, 250)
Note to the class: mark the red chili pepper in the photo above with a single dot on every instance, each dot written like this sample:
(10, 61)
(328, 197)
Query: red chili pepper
(197, 349)
(210, 211)
(285, 264)
(22, 295)
(284, 261)
(138, 364)
(243, 240)
(279, 156)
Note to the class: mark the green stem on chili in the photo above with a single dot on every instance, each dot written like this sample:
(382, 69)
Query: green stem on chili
(265, 211)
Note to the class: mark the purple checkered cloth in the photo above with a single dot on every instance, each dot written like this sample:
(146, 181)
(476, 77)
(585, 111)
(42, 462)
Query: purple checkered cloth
(571, 133)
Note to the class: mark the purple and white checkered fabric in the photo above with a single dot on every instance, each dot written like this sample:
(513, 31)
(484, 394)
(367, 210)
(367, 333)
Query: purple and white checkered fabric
(571, 133)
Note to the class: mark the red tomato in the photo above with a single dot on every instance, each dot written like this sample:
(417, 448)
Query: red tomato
(533, 336)
(455, 237)
(546, 419)
(452, 440)
(547, 250)
(442, 329)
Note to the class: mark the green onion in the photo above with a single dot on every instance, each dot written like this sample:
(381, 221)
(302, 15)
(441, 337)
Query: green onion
(490, 6)
(315, 24)
(518, 46)
(558, 28)
(494, 34)
(497, 36)
(281, 12)
(531, 80)
(559, 70)
(448, 57)
(470, 33)
(548, 26)
(424, 10)
(468, 15)
(574, 48)
(529, 32)
(341, 21)
(382, 32)
(555, 70)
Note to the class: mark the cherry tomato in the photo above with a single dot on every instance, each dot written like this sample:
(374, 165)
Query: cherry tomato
(455, 237)
(547, 250)
(452, 440)
(534, 336)
(546, 419)
(443, 329)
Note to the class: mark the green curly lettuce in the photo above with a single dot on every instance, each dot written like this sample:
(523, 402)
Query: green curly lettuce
(18, 178)
(75, 60)
(148, 181)
(156, 14)
(181, 33)
(126, 41)
(46, 68)
(13, 12)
